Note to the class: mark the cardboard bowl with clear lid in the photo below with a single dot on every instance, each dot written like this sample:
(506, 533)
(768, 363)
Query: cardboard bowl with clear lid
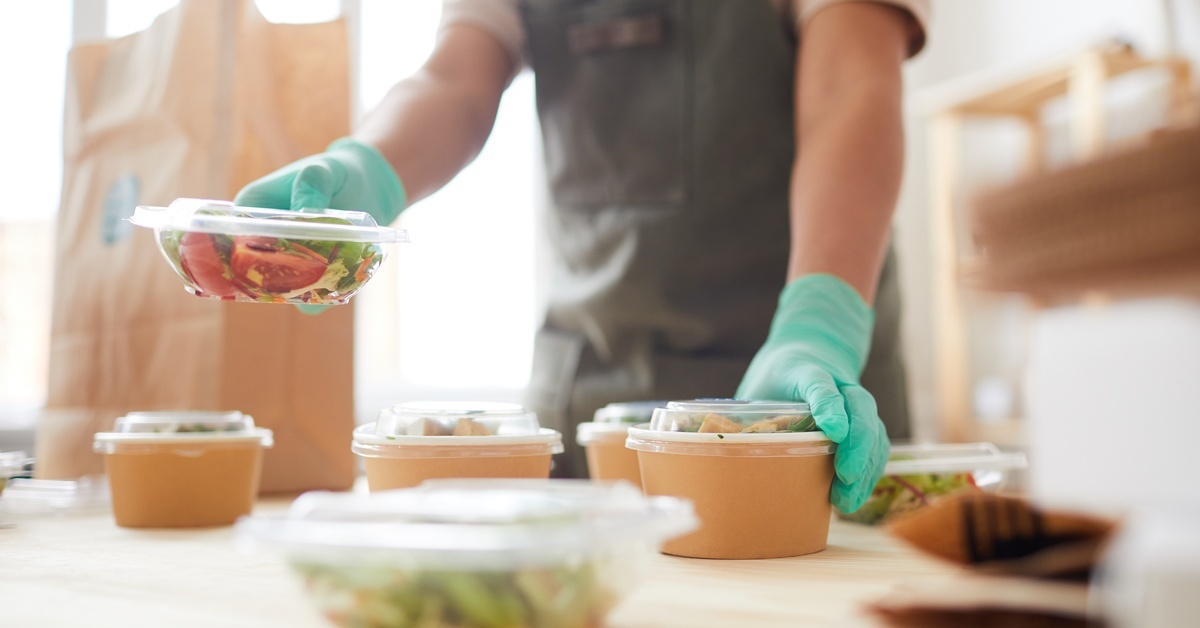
(603, 440)
(418, 441)
(222, 251)
(758, 473)
(556, 553)
(182, 469)
(919, 475)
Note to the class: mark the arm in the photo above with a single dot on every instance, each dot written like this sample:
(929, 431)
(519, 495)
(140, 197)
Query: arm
(432, 124)
(427, 128)
(844, 185)
(850, 142)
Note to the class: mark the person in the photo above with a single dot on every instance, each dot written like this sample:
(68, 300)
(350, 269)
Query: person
(722, 174)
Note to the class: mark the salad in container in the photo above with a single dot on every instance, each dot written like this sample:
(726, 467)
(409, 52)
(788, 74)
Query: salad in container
(418, 441)
(603, 440)
(757, 472)
(479, 553)
(222, 251)
(918, 475)
(182, 469)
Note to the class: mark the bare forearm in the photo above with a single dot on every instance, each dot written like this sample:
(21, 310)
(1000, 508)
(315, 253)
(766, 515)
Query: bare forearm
(850, 147)
(434, 123)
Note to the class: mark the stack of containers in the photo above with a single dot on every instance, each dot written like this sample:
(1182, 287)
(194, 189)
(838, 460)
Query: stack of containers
(418, 441)
(758, 473)
(555, 553)
(603, 440)
(182, 469)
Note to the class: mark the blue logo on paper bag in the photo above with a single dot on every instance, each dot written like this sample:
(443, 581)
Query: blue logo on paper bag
(119, 202)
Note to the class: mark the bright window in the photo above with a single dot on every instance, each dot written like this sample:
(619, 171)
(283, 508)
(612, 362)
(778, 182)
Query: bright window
(451, 316)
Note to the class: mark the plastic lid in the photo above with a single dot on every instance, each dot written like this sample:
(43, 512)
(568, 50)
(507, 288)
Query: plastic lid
(13, 463)
(483, 525)
(957, 458)
(628, 413)
(446, 418)
(182, 426)
(208, 216)
(730, 416)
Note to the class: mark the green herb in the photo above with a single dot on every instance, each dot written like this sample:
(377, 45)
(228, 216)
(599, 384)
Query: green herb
(721, 436)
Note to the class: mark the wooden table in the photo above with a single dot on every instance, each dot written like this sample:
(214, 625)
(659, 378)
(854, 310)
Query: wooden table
(81, 569)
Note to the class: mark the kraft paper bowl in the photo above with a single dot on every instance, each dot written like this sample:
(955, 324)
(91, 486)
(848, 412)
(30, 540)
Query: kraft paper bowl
(756, 495)
(419, 441)
(174, 479)
(607, 457)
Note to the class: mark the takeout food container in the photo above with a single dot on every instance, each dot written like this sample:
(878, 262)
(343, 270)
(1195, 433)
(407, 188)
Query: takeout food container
(414, 442)
(555, 553)
(222, 251)
(603, 440)
(758, 474)
(918, 475)
(12, 464)
(182, 469)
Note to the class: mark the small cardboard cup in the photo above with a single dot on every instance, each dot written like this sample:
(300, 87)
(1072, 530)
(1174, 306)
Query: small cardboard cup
(755, 498)
(406, 461)
(174, 485)
(609, 459)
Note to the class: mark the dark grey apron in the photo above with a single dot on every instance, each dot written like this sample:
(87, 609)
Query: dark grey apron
(668, 131)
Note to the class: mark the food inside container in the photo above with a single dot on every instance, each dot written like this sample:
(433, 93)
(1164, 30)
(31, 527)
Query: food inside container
(418, 441)
(603, 440)
(759, 493)
(544, 553)
(222, 251)
(918, 475)
(182, 469)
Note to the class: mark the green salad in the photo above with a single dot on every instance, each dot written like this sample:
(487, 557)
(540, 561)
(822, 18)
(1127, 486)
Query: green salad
(271, 269)
(711, 422)
(561, 596)
(895, 494)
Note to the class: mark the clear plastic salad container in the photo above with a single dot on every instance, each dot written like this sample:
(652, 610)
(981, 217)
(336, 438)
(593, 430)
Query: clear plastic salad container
(758, 474)
(542, 553)
(918, 475)
(12, 464)
(603, 440)
(414, 442)
(222, 251)
(182, 469)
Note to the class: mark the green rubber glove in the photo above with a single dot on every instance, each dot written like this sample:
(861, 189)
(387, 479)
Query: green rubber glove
(348, 175)
(815, 353)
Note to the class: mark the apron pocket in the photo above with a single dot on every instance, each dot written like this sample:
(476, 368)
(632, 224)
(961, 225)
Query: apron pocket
(612, 99)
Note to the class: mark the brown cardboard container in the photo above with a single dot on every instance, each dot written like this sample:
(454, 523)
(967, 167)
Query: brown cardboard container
(189, 484)
(608, 458)
(757, 495)
(405, 461)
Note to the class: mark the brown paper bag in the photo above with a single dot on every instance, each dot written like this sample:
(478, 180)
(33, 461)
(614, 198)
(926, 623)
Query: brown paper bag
(208, 98)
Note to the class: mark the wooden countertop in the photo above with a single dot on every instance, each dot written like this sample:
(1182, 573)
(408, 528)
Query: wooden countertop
(82, 569)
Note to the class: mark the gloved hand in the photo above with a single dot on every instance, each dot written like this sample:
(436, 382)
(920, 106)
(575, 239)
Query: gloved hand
(814, 353)
(348, 175)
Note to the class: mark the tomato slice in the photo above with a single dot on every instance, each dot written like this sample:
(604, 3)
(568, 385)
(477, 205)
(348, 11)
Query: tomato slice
(260, 262)
(200, 261)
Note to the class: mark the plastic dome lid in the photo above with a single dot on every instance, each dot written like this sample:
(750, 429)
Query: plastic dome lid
(732, 416)
(182, 426)
(628, 413)
(446, 418)
(470, 524)
(208, 216)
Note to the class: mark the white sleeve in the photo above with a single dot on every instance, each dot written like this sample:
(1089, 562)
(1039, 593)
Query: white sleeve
(918, 9)
(501, 18)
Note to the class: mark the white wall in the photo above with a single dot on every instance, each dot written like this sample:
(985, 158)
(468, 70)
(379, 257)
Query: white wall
(972, 35)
